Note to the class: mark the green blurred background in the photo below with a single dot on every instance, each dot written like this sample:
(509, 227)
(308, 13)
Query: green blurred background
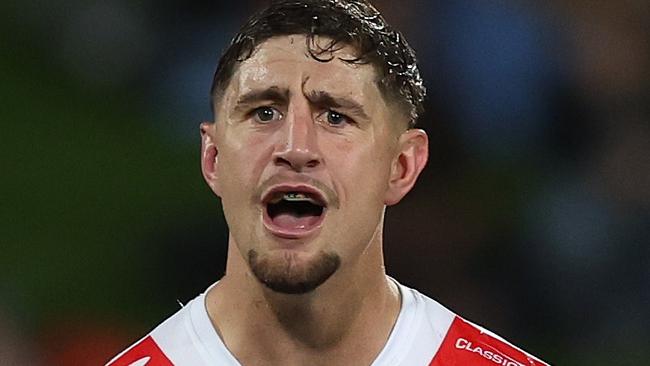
(531, 219)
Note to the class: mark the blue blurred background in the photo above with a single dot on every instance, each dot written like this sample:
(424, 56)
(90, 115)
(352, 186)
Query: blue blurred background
(532, 217)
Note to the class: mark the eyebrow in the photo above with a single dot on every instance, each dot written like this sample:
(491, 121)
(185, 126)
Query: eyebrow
(323, 98)
(317, 97)
(273, 94)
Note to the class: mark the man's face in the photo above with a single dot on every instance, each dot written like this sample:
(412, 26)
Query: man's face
(305, 151)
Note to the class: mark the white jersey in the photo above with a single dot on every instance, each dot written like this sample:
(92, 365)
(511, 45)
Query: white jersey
(426, 334)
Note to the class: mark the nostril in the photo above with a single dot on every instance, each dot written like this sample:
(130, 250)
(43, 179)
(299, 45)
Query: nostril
(297, 159)
(282, 161)
(296, 164)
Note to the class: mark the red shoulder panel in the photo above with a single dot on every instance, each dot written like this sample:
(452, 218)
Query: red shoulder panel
(465, 344)
(145, 353)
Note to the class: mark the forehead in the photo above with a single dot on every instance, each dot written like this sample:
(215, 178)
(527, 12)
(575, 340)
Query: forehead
(285, 62)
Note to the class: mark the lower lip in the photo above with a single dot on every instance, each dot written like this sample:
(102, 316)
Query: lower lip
(291, 233)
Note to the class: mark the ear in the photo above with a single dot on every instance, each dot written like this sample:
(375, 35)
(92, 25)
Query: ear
(412, 156)
(209, 156)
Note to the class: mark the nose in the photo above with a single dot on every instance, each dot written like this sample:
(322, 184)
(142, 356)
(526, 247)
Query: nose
(298, 145)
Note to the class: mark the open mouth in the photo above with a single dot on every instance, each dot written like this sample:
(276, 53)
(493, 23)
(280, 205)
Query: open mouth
(294, 212)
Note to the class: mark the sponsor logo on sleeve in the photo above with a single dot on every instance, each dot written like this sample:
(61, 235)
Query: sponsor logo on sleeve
(145, 353)
(466, 344)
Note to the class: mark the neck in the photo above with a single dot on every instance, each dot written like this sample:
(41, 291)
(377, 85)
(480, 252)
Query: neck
(349, 316)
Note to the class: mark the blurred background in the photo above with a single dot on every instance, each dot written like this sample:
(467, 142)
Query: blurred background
(532, 217)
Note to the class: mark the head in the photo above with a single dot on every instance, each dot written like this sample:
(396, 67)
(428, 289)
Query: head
(354, 23)
(315, 103)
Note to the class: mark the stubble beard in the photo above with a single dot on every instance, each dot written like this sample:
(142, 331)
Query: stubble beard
(285, 275)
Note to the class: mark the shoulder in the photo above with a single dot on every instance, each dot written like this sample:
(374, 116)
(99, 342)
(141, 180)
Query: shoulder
(141, 353)
(465, 343)
(469, 344)
(163, 345)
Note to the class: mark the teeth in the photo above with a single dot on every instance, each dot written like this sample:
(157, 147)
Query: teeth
(297, 197)
(294, 196)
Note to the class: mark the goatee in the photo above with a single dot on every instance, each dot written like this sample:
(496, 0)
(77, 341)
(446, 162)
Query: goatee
(286, 275)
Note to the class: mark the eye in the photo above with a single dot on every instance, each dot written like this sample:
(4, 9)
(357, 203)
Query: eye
(266, 114)
(336, 119)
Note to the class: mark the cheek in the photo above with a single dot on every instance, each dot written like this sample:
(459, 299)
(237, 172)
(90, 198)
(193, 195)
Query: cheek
(362, 170)
(239, 173)
(344, 145)
(240, 164)
(242, 154)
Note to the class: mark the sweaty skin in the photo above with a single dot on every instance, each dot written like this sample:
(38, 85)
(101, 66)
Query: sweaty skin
(292, 119)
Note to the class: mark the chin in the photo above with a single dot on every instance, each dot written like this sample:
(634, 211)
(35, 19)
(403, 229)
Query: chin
(291, 272)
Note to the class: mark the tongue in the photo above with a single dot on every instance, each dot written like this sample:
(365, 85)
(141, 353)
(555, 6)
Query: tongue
(292, 222)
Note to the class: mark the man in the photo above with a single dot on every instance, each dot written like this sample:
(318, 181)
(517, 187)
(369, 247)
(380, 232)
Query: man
(315, 103)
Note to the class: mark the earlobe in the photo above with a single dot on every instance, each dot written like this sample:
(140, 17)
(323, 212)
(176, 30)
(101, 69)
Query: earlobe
(209, 157)
(411, 158)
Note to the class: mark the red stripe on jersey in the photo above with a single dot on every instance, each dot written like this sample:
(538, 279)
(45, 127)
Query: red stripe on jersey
(466, 344)
(144, 353)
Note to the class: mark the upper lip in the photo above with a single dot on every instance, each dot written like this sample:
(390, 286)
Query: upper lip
(313, 192)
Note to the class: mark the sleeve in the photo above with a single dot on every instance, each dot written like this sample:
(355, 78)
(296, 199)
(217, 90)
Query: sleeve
(145, 352)
(469, 344)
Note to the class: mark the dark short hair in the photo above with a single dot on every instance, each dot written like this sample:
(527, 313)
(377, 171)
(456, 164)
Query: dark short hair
(347, 22)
